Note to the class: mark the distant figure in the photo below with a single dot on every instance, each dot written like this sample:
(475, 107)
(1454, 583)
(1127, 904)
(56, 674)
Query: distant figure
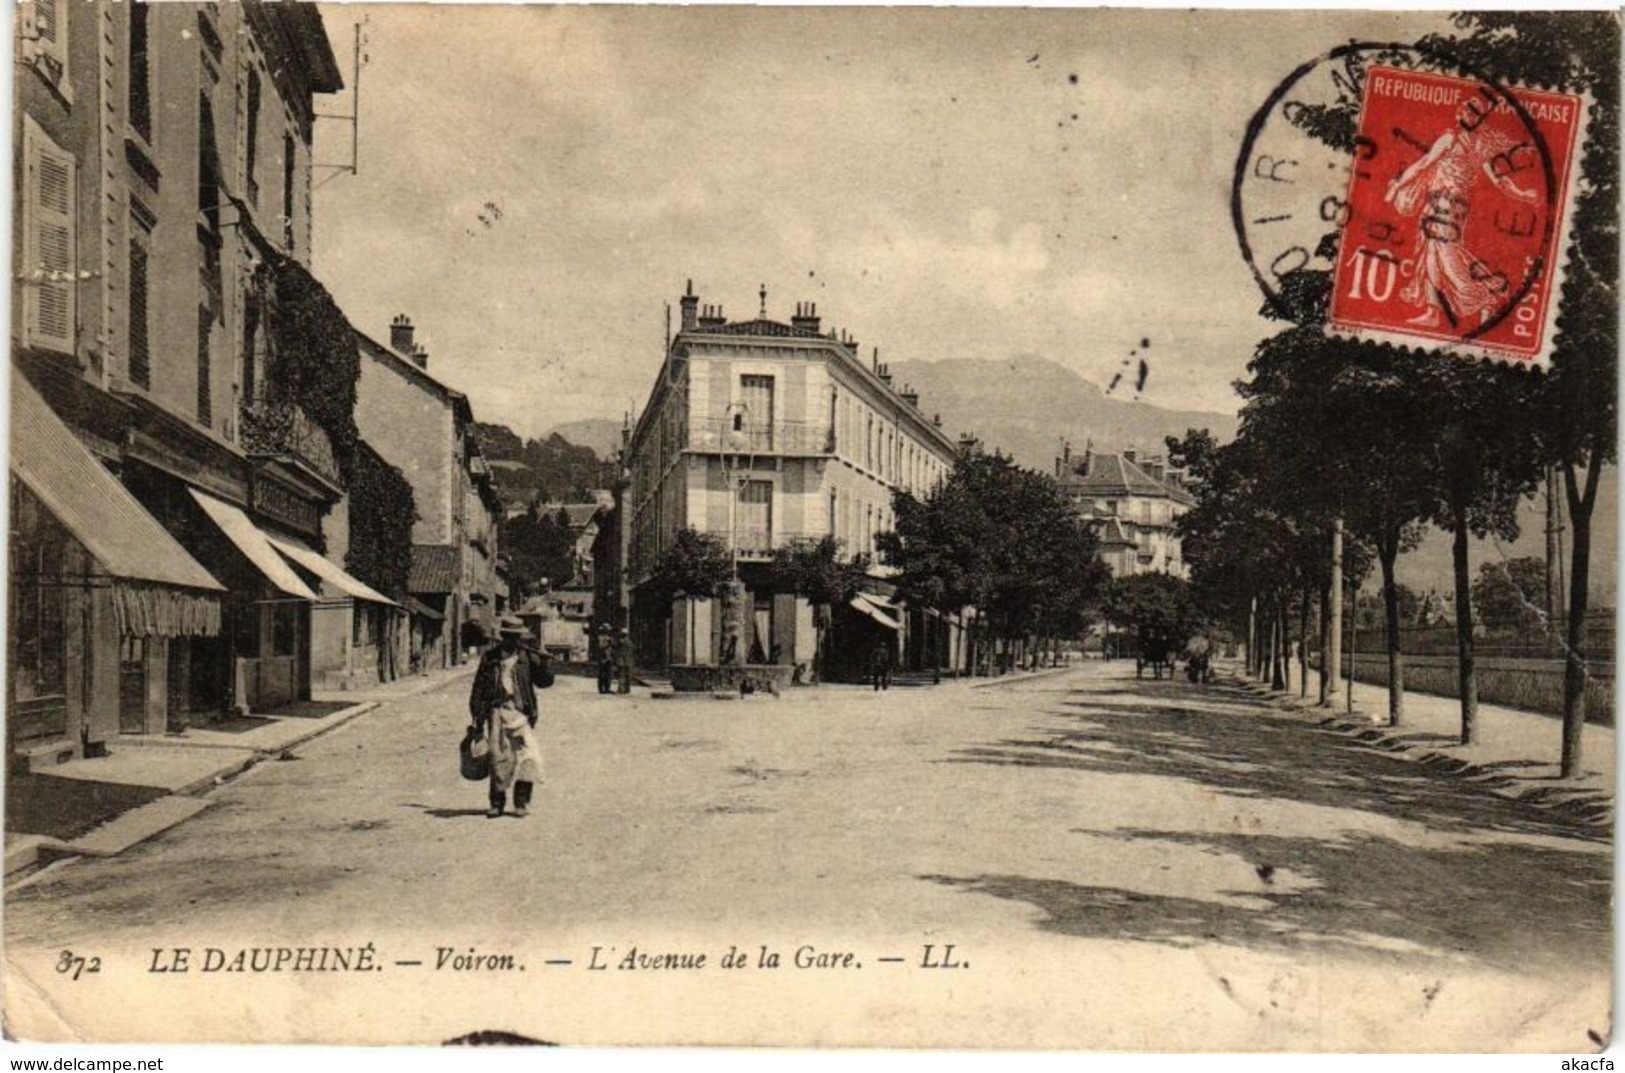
(1199, 660)
(880, 665)
(606, 666)
(623, 661)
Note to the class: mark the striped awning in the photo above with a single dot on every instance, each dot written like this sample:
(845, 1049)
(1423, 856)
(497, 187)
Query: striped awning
(329, 571)
(870, 606)
(254, 545)
(159, 589)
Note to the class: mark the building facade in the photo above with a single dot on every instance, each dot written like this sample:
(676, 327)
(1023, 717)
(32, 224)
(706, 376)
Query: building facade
(1132, 503)
(162, 166)
(763, 433)
(455, 586)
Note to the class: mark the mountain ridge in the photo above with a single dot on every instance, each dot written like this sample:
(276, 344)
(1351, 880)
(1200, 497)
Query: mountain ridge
(995, 399)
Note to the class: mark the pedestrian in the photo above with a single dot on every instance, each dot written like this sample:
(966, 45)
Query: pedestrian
(623, 661)
(606, 661)
(880, 665)
(503, 706)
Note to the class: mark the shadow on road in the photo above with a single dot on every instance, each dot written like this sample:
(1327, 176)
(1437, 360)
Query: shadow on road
(447, 813)
(1202, 734)
(1351, 891)
(1369, 896)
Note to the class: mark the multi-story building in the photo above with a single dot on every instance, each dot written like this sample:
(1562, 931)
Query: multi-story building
(162, 164)
(455, 588)
(1132, 504)
(761, 433)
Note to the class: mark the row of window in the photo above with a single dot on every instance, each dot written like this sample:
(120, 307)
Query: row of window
(50, 205)
(856, 521)
(884, 450)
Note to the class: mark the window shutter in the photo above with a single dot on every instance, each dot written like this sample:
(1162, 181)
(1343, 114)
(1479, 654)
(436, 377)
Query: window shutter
(50, 284)
(45, 32)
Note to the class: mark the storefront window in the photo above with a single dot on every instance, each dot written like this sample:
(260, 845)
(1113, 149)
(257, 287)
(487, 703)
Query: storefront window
(284, 628)
(36, 599)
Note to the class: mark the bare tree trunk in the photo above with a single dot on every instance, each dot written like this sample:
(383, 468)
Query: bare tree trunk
(1325, 632)
(1574, 668)
(1303, 643)
(1388, 554)
(1278, 662)
(1467, 679)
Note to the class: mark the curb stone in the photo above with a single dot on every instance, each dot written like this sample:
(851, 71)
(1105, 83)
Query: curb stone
(147, 821)
(1588, 808)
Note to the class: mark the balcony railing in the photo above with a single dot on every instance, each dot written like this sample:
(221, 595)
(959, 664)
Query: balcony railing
(289, 432)
(761, 437)
(755, 543)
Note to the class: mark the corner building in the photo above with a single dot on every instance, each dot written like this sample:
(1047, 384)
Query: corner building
(762, 433)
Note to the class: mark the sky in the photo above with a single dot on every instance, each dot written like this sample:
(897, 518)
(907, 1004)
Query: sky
(537, 184)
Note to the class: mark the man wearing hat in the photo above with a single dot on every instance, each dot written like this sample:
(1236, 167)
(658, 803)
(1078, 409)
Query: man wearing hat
(503, 706)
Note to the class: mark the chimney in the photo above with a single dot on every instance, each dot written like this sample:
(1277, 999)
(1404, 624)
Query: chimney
(936, 420)
(1153, 466)
(911, 396)
(1129, 454)
(400, 334)
(711, 317)
(806, 317)
(885, 374)
(690, 306)
(1088, 457)
(420, 356)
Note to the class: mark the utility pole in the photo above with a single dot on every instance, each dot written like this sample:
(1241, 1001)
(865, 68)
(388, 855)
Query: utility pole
(1554, 558)
(1333, 666)
(1354, 637)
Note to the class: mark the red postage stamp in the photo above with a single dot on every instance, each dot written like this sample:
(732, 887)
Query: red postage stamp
(1454, 228)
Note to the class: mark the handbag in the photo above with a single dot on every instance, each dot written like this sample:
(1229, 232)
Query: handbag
(474, 755)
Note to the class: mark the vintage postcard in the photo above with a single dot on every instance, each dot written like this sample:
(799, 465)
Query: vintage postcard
(865, 527)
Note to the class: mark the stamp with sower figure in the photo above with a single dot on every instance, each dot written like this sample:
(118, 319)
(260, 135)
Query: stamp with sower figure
(1440, 213)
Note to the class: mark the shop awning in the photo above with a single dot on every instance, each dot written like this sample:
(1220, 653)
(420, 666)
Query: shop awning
(159, 589)
(253, 544)
(867, 605)
(417, 607)
(329, 571)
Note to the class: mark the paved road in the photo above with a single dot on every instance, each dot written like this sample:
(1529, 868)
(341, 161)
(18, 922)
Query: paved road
(1118, 864)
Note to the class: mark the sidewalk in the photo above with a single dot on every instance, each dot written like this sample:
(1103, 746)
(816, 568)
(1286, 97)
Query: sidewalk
(146, 784)
(1517, 754)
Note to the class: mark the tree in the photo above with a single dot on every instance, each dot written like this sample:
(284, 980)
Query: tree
(1485, 460)
(695, 564)
(1577, 401)
(1511, 595)
(541, 550)
(815, 570)
(1159, 610)
(1003, 539)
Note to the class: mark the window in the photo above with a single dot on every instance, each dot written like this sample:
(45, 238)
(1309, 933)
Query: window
(251, 318)
(205, 339)
(140, 71)
(755, 516)
(757, 395)
(49, 248)
(140, 290)
(45, 41)
(833, 516)
(287, 190)
(37, 618)
(253, 135)
(284, 627)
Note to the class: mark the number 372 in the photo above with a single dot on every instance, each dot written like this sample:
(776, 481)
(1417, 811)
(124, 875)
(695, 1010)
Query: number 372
(76, 965)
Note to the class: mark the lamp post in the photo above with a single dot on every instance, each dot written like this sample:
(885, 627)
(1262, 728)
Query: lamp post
(735, 442)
